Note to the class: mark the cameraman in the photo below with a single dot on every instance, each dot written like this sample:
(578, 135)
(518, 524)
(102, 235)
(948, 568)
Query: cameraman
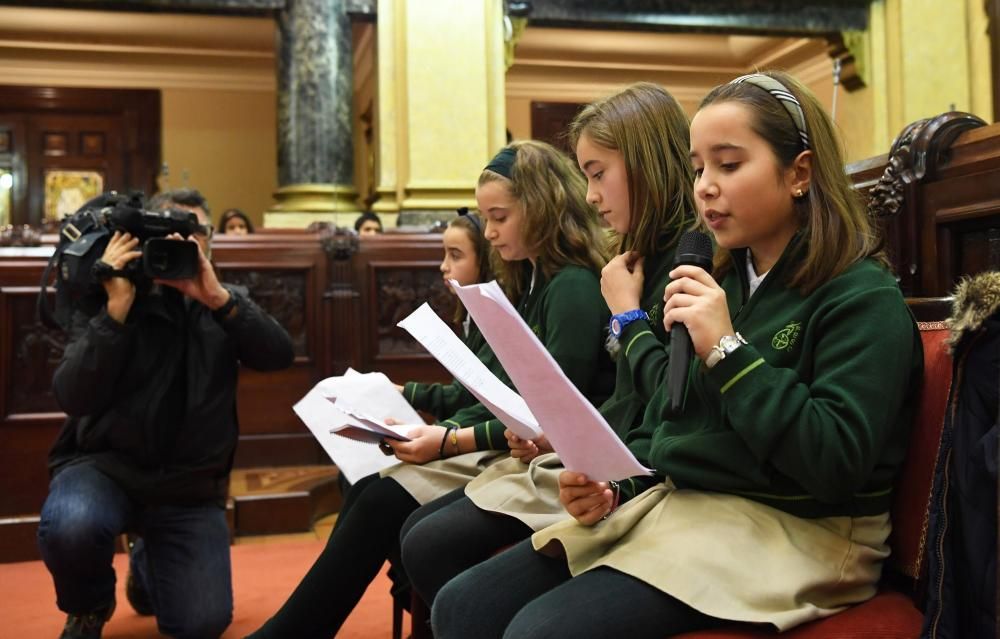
(149, 387)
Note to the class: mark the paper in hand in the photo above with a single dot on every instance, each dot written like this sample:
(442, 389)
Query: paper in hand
(577, 431)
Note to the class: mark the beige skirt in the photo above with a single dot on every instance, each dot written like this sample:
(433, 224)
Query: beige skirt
(528, 492)
(427, 482)
(731, 557)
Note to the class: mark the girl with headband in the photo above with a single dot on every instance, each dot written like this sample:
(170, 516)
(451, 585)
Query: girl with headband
(773, 504)
(633, 149)
(547, 250)
(467, 261)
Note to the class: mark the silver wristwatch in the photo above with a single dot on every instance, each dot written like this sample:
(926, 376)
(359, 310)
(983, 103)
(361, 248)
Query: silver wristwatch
(727, 344)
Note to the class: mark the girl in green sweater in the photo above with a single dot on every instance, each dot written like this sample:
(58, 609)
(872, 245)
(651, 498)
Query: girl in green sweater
(467, 261)
(776, 478)
(632, 147)
(547, 247)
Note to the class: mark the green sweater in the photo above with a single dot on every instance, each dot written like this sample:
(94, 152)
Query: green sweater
(811, 416)
(569, 316)
(642, 361)
(444, 400)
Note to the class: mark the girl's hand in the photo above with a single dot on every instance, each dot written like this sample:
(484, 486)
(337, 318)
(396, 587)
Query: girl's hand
(587, 501)
(621, 282)
(121, 250)
(424, 444)
(695, 299)
(526, 449)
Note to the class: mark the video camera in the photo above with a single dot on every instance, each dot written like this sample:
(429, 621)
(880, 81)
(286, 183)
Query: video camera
(84, 235)
(162, 258)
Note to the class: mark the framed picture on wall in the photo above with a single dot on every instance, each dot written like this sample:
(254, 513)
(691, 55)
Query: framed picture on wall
(67, 191)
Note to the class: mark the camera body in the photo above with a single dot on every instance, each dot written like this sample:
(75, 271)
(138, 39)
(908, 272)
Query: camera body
(84, 235)
(161, 258)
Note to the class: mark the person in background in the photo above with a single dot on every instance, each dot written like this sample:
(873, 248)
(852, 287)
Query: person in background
(148, 383)
(235, 222)
(368, 223)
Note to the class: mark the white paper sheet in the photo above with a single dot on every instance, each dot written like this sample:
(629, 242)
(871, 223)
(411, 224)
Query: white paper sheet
(355, 457)
(346, 414)
(577, 431)
(441, 342)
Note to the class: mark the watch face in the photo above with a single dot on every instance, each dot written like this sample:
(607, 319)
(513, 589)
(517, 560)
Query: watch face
(616, 327)
(729, 343)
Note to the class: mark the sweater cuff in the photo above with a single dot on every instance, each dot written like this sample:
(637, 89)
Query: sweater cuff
(489, 435)
(412, 393)
(635, 337)
(732, 371)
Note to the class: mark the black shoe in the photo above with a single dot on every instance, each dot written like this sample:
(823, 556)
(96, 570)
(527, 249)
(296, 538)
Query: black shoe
(87, 626)
(137, 597)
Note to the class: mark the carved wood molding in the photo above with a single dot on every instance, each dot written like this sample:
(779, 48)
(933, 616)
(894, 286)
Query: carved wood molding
(915, 155)
(338, 242)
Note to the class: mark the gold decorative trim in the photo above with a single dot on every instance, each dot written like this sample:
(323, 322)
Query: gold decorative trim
(315, 198)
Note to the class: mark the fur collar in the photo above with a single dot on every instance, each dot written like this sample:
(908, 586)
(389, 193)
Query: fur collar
(976, 299)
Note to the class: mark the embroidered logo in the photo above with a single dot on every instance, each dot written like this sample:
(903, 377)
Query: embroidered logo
(654, 314)
(786, 337)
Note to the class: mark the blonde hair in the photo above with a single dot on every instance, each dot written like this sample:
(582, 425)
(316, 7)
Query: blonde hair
(836, 229)
(646, 124)
(558, 224)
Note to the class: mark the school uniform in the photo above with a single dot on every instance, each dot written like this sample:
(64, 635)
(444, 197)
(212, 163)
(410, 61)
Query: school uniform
(530, 492)
(568, 315)
(779, 473)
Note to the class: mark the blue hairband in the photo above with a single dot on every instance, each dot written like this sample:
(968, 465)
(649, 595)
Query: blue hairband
(784, 96)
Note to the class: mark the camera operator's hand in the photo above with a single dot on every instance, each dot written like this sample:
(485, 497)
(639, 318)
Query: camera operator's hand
(121, 250)
(203, 287)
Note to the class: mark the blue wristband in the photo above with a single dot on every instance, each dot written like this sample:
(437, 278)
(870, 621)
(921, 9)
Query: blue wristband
(620, 321)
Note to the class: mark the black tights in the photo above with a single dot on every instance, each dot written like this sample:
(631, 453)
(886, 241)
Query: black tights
(522, 594)
(365, 535)
(449, 535)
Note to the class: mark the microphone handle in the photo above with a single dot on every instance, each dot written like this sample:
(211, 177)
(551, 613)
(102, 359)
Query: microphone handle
(678, 367)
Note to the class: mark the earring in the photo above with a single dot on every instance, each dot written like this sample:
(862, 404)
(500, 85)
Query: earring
(799, 193)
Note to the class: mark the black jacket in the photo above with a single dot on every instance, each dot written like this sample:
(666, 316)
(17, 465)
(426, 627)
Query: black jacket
(152, 403)
(961, 538)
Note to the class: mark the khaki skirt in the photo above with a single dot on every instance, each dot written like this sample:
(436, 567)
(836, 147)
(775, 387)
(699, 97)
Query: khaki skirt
(528, 492)
(731, 557)
(427, 482)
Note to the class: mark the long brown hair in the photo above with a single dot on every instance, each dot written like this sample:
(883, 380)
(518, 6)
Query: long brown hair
(837, 231)
(558, 224)
(647, 125)
(481, 247)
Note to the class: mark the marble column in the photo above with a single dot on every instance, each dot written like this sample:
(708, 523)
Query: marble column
(315, 144)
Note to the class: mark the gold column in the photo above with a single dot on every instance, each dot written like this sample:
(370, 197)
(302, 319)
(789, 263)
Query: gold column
(440, 101)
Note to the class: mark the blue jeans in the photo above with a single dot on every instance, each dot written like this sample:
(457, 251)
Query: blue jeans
(183, 564)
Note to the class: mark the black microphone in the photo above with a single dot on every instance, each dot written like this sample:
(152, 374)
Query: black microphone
(694, 248)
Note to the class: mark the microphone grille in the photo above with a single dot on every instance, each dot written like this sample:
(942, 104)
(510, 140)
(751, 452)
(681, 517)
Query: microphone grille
(695, 243)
